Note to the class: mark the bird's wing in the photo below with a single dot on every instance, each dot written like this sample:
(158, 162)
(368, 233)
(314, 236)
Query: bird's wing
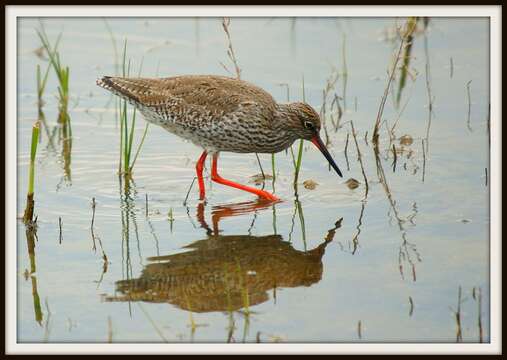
(218, 94)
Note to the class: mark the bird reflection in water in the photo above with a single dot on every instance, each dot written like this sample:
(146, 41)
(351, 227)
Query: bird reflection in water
(225, 272)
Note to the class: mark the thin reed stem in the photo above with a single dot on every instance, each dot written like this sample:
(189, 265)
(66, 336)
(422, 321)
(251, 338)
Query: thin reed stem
(469, 126)
(300, 148)
(230, 52)
(424, 159)
(345, 152)
(115, 48)
(61, 232)
(273, 171)
(41, 85)
(360, 158)
(428, 90)
(383, 100)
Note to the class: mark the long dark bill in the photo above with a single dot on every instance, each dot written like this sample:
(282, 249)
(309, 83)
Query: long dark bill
(320, 145)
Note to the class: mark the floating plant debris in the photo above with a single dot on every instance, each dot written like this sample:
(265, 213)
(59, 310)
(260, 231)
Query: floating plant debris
(406, 140)
(310, 184)
(260, 178)
(352, 183)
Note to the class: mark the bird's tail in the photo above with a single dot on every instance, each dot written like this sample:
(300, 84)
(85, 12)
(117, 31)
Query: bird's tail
(119, 86)
(141, 92)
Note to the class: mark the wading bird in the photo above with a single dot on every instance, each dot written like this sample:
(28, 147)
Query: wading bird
(219, 114)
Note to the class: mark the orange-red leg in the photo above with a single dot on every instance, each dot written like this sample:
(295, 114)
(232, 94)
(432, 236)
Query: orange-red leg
(217, 178)
(199, 167)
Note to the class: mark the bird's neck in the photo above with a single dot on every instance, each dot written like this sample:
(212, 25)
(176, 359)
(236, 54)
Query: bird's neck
(283, 117)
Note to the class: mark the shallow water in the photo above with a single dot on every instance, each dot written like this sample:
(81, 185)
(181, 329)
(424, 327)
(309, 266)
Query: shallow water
(328, 266)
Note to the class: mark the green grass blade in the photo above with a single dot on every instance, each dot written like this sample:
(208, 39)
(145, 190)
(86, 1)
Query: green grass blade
(300, 149)
(125, 136)
(140, 145)
(38, 81)
(45, 79)
(54, 61)
(293, 157)
(299, 161)
(115, 50)
(140, 67)
(408, 37)
(131, 137)
(124, 58)
(273, 166)
(33, 152)
(302, 221)
(119, 107)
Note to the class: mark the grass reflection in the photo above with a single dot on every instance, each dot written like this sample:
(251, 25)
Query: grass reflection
(31, 235)
(407, 253)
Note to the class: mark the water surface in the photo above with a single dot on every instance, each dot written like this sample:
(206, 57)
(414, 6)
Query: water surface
(330, 265)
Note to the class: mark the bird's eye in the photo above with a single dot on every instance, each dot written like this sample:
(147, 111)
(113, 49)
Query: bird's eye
(309, 125)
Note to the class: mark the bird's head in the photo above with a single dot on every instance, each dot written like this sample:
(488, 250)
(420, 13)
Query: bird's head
(305, 123)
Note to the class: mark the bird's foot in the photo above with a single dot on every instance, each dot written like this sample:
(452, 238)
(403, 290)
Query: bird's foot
(268, 196)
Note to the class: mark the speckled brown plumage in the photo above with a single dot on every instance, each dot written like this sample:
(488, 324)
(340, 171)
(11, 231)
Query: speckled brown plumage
(215, 112)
